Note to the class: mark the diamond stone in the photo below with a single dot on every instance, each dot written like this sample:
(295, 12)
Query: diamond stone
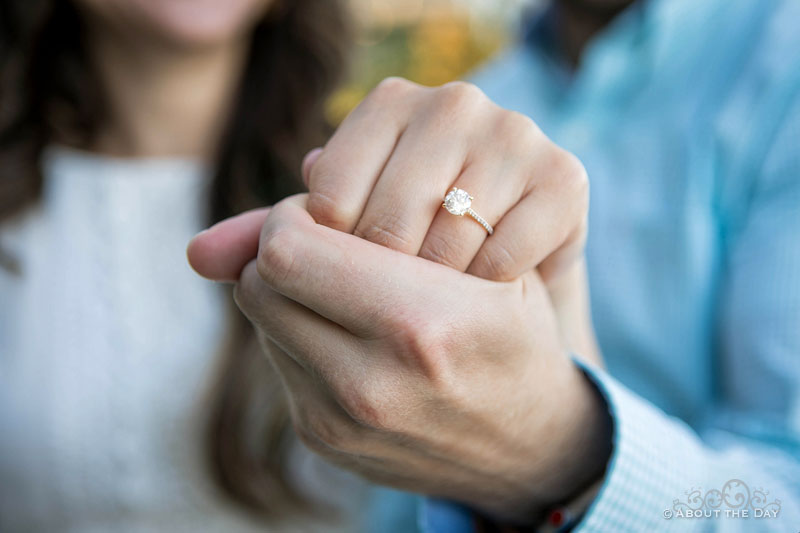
(457, 201)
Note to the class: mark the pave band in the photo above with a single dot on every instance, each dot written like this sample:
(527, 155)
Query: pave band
(479, 219)
(459, 202)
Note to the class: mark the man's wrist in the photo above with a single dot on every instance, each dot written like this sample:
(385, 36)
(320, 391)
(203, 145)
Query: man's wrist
(580, 449)
(576, 446)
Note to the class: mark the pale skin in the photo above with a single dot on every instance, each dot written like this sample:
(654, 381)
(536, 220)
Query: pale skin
(413, 349)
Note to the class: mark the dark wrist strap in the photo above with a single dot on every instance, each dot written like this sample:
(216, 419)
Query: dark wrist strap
(560, 519)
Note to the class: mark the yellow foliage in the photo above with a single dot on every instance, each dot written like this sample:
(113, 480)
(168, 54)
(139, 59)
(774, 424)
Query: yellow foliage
(442, 45)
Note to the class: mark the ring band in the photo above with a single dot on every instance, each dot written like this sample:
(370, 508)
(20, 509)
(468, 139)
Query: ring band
(459, 202)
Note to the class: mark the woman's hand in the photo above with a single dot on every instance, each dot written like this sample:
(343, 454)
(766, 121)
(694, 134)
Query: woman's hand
(384, 173)
(419, 376)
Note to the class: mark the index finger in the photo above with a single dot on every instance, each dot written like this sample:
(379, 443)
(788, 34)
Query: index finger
(343, 175)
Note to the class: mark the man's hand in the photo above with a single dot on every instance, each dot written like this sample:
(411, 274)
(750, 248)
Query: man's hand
(413, 374)
(418, 376)
(383, 174)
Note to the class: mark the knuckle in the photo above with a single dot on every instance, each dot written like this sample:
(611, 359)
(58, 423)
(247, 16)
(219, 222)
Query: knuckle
(390, 88)
(245, 289)
(568, 166)
(520, 129)
(326, 431)
(391, 231)
(459, 96)
(277, 256)
(498, 262)
(422, 346)
(326, 208)
(369, 406)
(326, 201)
(573, 176)
(462, 91)
(441, 250)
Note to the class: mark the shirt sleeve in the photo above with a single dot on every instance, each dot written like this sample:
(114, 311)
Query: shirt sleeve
(665, 476)
(743, 456)
(739, 466)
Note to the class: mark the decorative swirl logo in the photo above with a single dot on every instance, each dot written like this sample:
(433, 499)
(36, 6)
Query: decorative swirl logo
(735, 496)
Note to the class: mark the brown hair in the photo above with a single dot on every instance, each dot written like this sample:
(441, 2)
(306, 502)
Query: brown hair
(48, 92)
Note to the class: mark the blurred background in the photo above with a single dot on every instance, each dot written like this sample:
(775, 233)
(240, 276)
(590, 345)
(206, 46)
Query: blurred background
(428, 41)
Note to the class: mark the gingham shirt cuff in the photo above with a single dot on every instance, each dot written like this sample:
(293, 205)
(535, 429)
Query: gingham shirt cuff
(654, 460)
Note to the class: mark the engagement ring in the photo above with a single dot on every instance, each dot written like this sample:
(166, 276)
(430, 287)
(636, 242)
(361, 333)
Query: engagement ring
(459, 202)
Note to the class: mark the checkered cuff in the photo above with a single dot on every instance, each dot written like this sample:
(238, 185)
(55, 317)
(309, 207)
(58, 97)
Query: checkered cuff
(655, 459)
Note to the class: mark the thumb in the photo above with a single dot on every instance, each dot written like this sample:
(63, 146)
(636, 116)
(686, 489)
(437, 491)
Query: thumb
(221, 252)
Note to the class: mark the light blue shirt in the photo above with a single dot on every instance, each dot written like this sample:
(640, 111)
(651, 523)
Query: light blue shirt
(686, 115)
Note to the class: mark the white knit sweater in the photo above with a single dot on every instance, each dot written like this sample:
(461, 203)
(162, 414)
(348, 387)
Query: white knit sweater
(108, 342)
